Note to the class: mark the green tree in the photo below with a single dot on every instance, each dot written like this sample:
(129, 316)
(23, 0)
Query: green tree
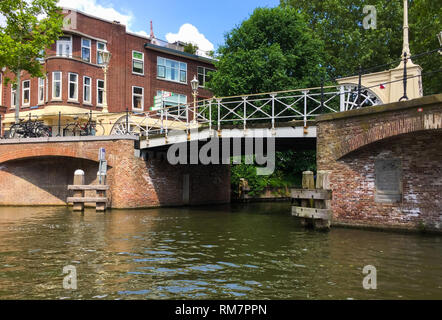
(348, 44)
(31, 27)
(272, 50)
(190, 48)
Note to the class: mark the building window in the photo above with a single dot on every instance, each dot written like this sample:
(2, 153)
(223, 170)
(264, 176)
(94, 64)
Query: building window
(73, 86)
(172, 70)
(101, 47)
(172, 99)
(26, 97)
(87, 90)
(137, 98)
(41, 90)
(47, 87)
(100, 92)
(13, 97)
(86, 49)
(137, 62)
(56, 85)
(64, 46)
(204, 75)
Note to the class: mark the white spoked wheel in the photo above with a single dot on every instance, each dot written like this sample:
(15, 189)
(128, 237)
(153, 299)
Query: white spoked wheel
(127, 126)
(367, 97)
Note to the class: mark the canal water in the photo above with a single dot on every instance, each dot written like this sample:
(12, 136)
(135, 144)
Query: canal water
(255, 251)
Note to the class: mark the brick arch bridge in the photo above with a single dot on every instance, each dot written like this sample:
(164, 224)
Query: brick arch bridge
(19, 152)
(385, 164)
(37, 172)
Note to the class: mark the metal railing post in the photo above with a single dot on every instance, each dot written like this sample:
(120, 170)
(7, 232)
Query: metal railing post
(219, 114)
(305, 107)
(359, 87)
(273, 95)
(127, 121)
(59, 124)
(342, 98)
(322, 95)
(210, 117)
(245, 112)
(405, 97)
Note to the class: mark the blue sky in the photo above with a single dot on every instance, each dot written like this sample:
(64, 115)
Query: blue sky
(212, 18)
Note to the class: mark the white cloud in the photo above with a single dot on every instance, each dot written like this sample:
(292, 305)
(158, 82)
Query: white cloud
(189, 33)
(107, 12)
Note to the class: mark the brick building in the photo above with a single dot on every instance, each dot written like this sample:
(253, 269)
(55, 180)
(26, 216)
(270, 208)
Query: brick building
(139, 69)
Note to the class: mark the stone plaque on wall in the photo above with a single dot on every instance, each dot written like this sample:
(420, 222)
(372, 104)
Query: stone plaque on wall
(388, 175)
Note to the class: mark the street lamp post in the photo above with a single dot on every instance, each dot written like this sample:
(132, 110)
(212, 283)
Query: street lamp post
(194, 83)
(105, 58)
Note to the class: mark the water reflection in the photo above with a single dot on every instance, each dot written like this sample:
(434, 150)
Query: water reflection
(241, 252)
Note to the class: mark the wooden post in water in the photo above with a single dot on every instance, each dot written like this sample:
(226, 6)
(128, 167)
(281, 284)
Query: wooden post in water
(79, 180)
(308, 182)
(322, 183)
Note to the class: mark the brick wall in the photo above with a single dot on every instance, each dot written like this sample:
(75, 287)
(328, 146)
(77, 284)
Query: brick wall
(120, 76)
(38, 174)
(348, 145)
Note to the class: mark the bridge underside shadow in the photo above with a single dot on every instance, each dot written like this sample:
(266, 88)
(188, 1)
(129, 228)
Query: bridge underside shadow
(223, 148)
(41, 180)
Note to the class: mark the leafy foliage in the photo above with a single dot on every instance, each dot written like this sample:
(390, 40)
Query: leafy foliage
(348, 44)
(288, 172)
(31, 27)
(190, 48)
(273, 50)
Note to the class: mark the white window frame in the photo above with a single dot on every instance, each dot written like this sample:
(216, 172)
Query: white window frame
(142, 98)
(165, 70)
(41, 88)
(90, 49)
(203, 85)
(47, 88)
(138, 60)
(54, 83)
(98, 89)
(101, 50)
(90, 89)
(23, 89)
(59, 54)
(75, 99)
(13, 92)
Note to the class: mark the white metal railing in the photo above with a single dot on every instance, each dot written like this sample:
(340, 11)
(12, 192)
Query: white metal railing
(241, 111)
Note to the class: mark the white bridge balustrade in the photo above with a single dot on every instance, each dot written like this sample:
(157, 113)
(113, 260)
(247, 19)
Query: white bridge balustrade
(281, 114)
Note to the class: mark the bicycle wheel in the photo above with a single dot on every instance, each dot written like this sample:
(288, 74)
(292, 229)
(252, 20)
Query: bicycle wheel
(16, 131)
(69, 130)
(43, 131)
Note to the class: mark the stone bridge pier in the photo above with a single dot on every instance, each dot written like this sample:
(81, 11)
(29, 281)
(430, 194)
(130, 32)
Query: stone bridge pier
(385, 164)
(38, 171)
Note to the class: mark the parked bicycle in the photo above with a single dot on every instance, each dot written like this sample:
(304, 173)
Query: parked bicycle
(79, 128)
(29, 129)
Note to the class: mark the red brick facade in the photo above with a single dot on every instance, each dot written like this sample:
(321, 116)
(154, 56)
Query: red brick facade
(120, 77)
(349, 145)
(39, 173)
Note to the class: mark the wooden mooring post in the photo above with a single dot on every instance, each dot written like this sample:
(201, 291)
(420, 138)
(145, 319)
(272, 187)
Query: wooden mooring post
(79, 189)
(310, 204)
